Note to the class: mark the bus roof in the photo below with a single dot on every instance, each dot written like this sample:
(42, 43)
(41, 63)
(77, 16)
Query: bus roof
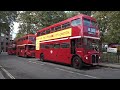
(25, 36)
(68, 20)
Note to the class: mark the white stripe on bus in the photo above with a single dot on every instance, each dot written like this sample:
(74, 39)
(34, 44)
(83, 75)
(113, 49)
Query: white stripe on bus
(25, 44)
(75, 37)
(91, 37)
(70, 38)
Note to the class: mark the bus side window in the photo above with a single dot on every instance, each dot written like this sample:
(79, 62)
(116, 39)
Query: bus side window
(65, 45)
(51, 45)
(66, 25)
(47, 46)
(56, 46)
(42, 46)
(57, 28)
(52, 29)
(38, 34)
(43, 33)
(26, 37)
(48, 31)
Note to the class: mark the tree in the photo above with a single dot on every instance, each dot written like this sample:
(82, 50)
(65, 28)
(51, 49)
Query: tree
(31, 21)
(73, 13)
(6, 22)
(109, 24)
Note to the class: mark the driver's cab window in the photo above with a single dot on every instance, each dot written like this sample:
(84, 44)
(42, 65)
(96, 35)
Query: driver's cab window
(79, 42)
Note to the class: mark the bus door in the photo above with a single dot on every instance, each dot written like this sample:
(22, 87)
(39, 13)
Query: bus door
(73, 50)
(55, 52)
(64, 53)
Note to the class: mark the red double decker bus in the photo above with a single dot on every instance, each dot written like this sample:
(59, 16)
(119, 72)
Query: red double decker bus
(26, 46)
(11, 50)
(74, 41)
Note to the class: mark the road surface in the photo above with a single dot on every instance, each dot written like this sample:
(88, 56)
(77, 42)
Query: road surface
(13, 67)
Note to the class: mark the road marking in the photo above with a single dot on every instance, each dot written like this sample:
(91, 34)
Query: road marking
(36, 63)
(77, 73)
(42, 64)
(7, 73)
(33, 62)
(33, 59)
(1, 75)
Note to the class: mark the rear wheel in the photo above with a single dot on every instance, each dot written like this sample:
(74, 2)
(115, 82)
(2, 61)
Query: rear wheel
(42, 57)
(77, 62)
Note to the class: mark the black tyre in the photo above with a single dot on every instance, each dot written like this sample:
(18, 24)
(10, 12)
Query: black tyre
(77, 62)
(42, 57)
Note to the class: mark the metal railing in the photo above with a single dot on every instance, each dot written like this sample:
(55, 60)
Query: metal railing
(110, 57)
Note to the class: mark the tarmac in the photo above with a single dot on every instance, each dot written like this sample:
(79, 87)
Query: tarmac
(110, 65)
(1, 75)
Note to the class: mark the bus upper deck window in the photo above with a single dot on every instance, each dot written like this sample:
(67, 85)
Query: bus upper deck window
(86, 22)
(76, 22)
(52, 29)
(94, 23)
(38, 34)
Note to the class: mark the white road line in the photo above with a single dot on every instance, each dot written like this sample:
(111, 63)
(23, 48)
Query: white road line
(36, 63)
(42, 64)
(8, 73)
(77, 73)
(33, 62)
(32, 59)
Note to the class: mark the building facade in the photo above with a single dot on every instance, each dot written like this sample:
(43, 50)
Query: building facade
(5, 40)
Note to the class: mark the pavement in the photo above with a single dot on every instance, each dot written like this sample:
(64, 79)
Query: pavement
(114, 65)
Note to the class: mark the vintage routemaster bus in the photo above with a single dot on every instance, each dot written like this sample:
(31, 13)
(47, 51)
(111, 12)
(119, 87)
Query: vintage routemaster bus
(11, 50)
(74, 41)
(26, 46)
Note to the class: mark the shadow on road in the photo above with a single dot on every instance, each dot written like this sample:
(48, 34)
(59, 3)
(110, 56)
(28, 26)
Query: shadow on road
(85, 67)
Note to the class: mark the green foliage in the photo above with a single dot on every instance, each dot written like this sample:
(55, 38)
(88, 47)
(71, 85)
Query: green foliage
(73, 13)
(109, 23)
(6, 20)
(31, 21)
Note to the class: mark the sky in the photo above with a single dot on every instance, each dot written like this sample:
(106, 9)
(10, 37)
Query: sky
(15, 30)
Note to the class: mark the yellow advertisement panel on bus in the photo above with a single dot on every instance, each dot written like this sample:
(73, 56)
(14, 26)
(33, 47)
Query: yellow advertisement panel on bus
(55, 35)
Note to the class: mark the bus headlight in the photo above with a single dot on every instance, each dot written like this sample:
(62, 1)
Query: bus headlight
(99, 57)
(86, 57)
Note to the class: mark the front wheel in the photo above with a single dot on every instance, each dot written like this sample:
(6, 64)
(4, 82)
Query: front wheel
(77, 62)
(42, 57)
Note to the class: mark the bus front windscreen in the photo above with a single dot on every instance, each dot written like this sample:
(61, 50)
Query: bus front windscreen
(88, 22)
(31, 47)
(31, 38)
(91, 44)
